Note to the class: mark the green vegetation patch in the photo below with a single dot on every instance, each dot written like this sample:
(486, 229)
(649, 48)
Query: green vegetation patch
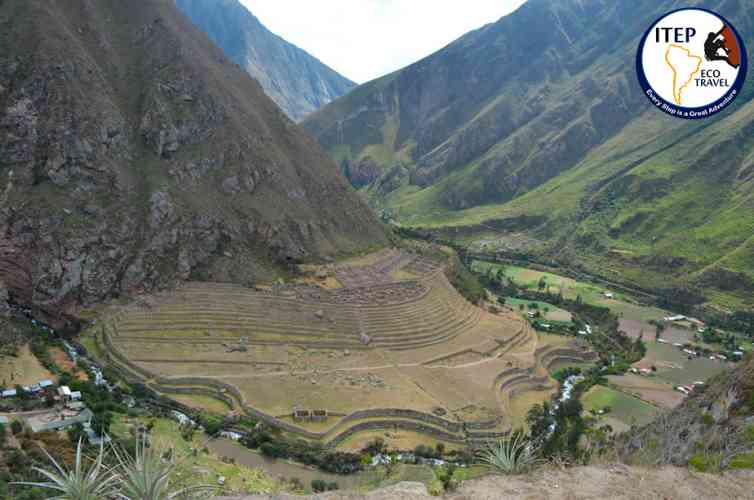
(197, 464)
(548, 311)
(623, 407)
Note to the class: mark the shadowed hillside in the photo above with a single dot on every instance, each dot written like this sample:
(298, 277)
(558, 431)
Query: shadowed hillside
(295, 80)
(133, 153)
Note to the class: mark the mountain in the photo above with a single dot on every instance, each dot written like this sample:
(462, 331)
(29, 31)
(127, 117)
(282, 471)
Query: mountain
(298, 82)
(134, 154)
(712, 430)
(533, 135)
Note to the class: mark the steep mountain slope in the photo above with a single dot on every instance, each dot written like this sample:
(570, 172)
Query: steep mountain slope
(532, 133)
(295, 80)
(134, 154)
(712, 430)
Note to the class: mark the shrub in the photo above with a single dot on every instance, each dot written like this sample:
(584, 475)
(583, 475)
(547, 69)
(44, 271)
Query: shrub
(272, 450)
(16, 427)
(318, 485)
(424, 451)
(376, 447)
(706, 462)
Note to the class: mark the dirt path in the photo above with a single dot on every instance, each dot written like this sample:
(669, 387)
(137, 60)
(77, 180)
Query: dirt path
(589, 483)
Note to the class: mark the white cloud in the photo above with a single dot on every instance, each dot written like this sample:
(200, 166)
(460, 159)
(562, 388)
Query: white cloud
(365, 39)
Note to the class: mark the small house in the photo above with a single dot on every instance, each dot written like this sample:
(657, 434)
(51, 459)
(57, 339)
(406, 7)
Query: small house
(4, 421)
(46, 384)
(10, 393)
(65, 392)
(677, 317)
(76, 396)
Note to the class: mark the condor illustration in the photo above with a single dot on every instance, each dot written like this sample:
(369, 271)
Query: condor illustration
(725, 41)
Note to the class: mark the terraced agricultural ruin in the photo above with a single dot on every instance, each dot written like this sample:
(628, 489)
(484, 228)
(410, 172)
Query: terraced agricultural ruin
(387, 344)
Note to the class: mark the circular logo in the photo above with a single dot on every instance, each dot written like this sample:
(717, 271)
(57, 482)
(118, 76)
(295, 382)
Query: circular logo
(691, 63)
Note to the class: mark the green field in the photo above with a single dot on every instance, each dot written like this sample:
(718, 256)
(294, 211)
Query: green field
(625, 408)
(550, 312)
(674, 366)
(621, 304)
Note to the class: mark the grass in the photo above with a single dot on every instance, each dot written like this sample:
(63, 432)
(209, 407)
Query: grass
(200, 402)
(627, 409)
(743, 461)
(204, 468)
(399, 440)
(621, 304)
(674, 366)
(23, 369)
(554, 313)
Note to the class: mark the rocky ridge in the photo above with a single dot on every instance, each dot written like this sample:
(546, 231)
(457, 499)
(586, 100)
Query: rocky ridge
(133, 154)
(297, 81)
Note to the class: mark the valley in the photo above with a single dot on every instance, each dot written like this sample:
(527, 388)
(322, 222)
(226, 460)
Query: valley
(223, 259)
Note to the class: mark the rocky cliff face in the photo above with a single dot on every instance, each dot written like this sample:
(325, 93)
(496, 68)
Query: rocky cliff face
(298, 82)
(541, 114)
(133, 153)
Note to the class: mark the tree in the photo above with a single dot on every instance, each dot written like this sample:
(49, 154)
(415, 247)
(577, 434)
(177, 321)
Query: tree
(542, 284)
(3, 436)
(101, 422)
(16, 427)
(272, 450)
(76, 433)
(376, 447)
(319, 485)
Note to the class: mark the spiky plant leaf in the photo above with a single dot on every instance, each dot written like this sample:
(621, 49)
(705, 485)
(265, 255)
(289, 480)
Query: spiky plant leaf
(514, 455)
(93, 482)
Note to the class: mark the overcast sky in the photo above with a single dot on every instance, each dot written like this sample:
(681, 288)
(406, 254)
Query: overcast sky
(365, 39)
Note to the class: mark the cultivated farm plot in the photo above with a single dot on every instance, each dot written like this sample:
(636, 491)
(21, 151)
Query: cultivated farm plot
(530, 278)
(22, 369)
(571, 288)
(625, 408)
(549, 312)
(648, 388)
(672, 334)
(673, 365)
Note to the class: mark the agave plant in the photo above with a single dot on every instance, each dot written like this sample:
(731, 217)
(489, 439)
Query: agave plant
(148, 476)
(511, 456)
(84, 482)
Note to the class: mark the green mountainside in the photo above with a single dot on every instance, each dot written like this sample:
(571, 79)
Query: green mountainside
(297, 81)
(134, 154)
(532, 135)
